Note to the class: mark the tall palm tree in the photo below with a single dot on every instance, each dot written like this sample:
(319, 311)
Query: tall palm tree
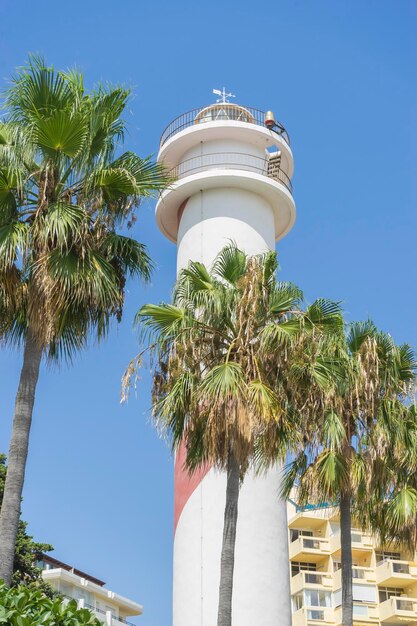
(64, 192)
(372, 377)
(390, 506)
(216, 386)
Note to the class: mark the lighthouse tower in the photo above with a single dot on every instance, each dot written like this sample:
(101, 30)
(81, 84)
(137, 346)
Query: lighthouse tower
(233, 168)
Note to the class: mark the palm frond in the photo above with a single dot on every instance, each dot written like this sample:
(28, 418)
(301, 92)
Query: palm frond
(358, 332)
(61, 133)
(130, 255)
(223, 381)
(14, 241)
(325, 315)
(230, 264)
(150, 177)
(285, 297)
(62, 224)
(162, 319)
(334, 433)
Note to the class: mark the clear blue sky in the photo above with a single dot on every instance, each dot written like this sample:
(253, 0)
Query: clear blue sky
(341, 76)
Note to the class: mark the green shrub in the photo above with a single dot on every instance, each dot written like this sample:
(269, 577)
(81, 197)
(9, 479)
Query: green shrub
(27, 605)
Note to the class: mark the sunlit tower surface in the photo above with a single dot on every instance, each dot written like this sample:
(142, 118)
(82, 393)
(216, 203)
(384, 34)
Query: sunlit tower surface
(233, 167)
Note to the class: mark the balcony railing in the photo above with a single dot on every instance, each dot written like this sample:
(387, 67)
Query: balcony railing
(362, 612)
(308, 614)
(391, 568)
(398, 607)
(104, 616)
(311, 579)
(364, 574)
(193, 117)
(232, 161)
(311, 545)
(360, 541)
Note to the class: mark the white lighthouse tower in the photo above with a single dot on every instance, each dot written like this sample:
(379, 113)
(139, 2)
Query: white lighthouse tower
(233, 168)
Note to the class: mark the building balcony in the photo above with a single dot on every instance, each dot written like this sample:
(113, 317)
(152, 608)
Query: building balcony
(361, 575)
(268, 166)
(308, 580)
(310, 518)
(308, 616)
(361, 542)
(106, 617)
(363, 614)
(401, 610)
(393, 573)
(306, 548)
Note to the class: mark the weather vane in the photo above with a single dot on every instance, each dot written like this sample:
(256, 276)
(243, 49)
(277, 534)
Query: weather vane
(224, 97)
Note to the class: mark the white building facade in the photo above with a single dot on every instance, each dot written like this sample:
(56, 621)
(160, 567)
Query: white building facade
(233, 167)
(89, 592)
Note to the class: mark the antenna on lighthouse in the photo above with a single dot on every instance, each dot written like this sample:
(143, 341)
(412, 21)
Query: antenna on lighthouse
(224, 96)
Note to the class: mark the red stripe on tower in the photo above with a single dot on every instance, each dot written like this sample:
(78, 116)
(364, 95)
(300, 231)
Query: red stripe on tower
(184, 484)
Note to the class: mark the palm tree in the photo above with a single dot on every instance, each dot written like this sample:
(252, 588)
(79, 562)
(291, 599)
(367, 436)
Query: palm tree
(372, 377)
(215, 386)
(390, 506)
(63, 265)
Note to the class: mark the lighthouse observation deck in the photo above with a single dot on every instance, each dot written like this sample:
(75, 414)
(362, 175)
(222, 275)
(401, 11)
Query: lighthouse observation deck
(268, 166)
(224, 146)
(220, 112)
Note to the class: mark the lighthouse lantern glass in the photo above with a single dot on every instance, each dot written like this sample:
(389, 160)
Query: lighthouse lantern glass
(224, 111)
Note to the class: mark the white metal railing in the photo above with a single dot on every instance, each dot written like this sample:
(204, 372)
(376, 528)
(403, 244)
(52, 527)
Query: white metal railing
(231, 112)
(232, 161)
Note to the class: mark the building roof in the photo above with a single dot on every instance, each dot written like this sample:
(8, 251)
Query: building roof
(55, 563)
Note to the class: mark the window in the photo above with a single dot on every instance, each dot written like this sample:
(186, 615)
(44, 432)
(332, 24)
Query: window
(295, 533)
(401, 568)
(299, 566)
(385, 593)
(382, 555)
(82, 594)
(314, 579)
(315, 615)
(404, 604)
(356, 535)
(224, 112)
(311, 544)
(317, 597)
(297, 601)
(364, 593)
(360, 610)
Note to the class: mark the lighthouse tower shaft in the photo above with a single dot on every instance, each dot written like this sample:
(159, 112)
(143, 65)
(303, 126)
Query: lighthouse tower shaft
(233, 168)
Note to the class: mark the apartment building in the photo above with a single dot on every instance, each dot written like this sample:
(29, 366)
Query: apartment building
(384, 581)
(109, 607)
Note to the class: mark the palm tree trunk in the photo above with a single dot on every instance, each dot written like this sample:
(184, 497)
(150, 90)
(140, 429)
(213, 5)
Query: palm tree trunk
(346, 543)
(224, 617)
(16, 462)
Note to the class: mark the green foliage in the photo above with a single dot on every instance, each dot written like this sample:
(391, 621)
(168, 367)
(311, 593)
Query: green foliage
(363, 445)
(27, 551)
(27, 605)
(237, 356)
(65, 189)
